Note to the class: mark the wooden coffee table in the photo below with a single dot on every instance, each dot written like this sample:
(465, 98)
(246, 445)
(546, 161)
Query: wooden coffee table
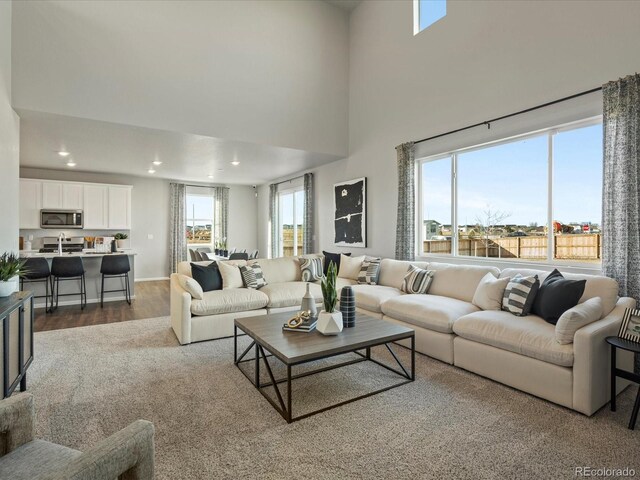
(298, 348)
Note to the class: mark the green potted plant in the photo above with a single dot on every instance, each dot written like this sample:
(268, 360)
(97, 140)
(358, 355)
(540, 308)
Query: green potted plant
(120, 239)
(11, 267)
(330, 320)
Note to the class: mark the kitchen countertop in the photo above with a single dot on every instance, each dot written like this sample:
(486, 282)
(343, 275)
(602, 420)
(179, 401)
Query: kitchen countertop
(84, 254)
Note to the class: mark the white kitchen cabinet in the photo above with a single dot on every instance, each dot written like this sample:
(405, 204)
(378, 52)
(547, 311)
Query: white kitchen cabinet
(96, 213)
(52, 195)
(119, 207)
(72, 196)
(30, 203)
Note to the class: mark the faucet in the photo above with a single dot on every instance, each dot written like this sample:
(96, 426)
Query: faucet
(61, 237)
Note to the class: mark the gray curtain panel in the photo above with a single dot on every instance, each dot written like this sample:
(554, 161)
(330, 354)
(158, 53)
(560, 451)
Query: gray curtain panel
(177, 225)
(621, 186)
(221, 215)
(273, 219)
(406, 223)
(307, 237)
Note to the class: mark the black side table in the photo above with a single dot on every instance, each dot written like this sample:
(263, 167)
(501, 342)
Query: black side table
(617, 342)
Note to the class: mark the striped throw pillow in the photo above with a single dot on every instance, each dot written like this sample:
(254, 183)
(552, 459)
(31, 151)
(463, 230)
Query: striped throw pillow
(417, 280)
(252, 276)
(369, 272)
(311, 269)
(519, 295)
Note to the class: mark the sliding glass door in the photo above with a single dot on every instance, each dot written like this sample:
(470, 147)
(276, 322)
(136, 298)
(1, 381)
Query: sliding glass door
(290, 222)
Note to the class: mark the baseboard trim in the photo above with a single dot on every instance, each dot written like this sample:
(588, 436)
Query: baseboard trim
(64, 303)
(150, 279)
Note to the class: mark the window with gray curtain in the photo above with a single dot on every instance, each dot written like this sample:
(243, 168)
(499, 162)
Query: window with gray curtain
(309, 206)
(405, 226)
(177, 225)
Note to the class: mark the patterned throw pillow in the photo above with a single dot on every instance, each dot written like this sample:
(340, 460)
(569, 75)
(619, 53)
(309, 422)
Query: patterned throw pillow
(369, 272)
(252, 276)
(311, 269)
(417, 280)
(520, 294)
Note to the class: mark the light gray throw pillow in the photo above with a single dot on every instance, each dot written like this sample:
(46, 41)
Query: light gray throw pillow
(489, 292)
(577, 317)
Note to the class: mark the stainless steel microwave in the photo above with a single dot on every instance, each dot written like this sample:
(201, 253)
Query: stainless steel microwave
(62, 219)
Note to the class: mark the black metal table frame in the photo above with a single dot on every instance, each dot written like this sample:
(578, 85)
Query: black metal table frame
(634, 377)
(285, 409)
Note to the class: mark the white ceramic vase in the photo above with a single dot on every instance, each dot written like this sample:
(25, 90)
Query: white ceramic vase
(7, 288)
(121, 244)
(329, 323)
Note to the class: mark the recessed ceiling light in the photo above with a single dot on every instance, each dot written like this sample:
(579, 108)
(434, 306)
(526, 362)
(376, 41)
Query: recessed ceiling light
(151, 170)
(157, 162)
(71, 163)
(62, 153)
(235, 163)
(209, 176)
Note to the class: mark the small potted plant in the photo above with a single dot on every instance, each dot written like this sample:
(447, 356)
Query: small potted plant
(223, 247)
(120, 239)
(217, 247)
(11, 267)
(330, 320)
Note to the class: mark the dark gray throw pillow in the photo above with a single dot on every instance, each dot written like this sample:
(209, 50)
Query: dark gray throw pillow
(208, 276)
(557, 295)
(332, 257)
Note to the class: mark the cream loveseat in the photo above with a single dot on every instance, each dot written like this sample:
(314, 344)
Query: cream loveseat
(518, 351)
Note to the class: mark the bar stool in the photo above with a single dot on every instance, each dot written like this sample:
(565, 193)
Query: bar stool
(114, 266)
(37, 271)
(68, 268)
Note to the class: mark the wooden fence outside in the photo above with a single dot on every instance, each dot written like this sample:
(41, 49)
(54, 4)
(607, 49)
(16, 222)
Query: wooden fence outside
(287, 241)
(586, 247)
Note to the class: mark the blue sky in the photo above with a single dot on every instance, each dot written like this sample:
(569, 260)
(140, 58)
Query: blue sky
(286, 201)
(512, 178)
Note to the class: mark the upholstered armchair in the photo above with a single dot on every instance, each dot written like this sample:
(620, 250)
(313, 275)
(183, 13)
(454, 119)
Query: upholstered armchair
(127, 454)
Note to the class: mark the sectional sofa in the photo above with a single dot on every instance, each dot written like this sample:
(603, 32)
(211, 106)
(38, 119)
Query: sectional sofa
(447, 325)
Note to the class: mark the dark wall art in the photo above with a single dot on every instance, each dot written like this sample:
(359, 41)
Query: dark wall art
(350, 219)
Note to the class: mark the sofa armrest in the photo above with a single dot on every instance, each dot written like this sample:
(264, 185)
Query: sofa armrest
(127, 454)
(180, 311)
(16, 422)
(591, 364)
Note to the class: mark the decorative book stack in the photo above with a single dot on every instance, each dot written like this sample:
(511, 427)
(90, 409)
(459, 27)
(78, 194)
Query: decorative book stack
(306, 326)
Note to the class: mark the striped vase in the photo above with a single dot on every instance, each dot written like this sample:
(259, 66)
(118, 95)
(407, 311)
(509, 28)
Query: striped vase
(348, 307)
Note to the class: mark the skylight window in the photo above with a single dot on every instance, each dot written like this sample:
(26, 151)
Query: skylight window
(426, 13)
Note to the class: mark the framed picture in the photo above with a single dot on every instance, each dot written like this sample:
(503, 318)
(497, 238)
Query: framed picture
(630, 327)
(350, 213)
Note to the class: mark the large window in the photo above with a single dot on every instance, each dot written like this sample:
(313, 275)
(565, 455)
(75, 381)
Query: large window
(290, 222)
(200, 208)
(537, 197)
(426, 13)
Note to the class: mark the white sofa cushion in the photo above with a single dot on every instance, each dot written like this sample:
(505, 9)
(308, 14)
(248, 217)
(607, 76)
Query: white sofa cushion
(597, 285)
(229, 301)
(191, 286)
(392, 272)
(278, 270)
(577, 317)
(343, 282)
(289, 294)
(530, 336)
(433, 312)
(371, 297)
(458, 281)
(489, 292)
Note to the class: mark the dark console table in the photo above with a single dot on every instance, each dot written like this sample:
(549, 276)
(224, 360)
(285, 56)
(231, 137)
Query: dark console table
(623, 344)
(16, 315)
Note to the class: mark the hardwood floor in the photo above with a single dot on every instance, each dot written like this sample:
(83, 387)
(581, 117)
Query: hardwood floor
(152, 300)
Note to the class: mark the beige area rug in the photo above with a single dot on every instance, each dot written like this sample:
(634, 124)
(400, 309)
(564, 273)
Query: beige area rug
(210, 422)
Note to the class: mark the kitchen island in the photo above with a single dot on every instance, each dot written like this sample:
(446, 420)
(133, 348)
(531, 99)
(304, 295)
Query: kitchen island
(92, 261)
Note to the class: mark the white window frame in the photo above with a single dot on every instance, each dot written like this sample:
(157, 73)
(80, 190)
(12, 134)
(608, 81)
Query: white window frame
(550, 132)
(189, 219)
(289, 191)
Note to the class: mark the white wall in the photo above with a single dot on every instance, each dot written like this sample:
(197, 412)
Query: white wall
(483, 60)
(267, 72)
(9, 140)
(150, 216)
